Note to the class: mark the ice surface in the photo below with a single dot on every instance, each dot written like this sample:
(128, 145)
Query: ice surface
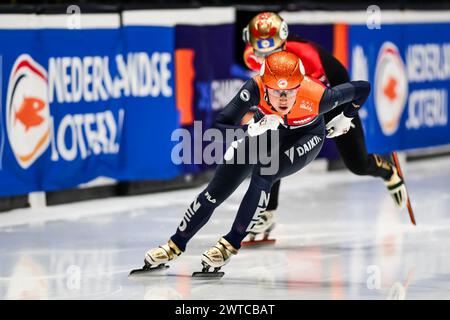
(339, 236)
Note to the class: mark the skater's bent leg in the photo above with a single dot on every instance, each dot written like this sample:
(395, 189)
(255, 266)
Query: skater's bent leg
(254, 202)
(225, 181)
(274, 192)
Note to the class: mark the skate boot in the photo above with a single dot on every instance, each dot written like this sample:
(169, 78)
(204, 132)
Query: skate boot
(263, 226)
(397, 189)
(395, 183)
(396, 162)
(156, 259)
(216, 257)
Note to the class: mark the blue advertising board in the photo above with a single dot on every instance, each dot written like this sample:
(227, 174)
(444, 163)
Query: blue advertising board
(79, 104)
(409, 68)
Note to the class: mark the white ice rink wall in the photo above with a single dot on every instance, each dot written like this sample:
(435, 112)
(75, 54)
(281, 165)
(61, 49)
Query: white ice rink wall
(188, 54)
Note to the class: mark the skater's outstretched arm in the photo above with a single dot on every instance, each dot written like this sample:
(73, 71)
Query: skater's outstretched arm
(355, 92)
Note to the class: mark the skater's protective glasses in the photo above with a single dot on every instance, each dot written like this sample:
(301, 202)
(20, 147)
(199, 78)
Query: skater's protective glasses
(287, 93)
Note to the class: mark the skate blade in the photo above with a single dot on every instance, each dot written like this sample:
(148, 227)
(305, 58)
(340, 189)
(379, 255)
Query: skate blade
(262, 242)
(208, 275)
(141, 271)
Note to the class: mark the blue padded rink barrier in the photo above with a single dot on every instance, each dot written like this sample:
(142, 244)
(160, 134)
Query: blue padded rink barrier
(351, 244)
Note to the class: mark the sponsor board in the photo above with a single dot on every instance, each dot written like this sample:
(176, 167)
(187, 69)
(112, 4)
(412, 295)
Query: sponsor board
(408, 66)
(72, 112)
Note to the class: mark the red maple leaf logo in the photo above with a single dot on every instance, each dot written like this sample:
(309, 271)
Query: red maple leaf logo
(390, 89)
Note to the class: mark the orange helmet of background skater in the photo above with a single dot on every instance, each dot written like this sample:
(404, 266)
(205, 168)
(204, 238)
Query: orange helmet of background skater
(282, 71)
(266, 32)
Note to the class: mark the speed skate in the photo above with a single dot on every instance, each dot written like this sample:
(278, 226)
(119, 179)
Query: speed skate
(259, 232)
(215, 258)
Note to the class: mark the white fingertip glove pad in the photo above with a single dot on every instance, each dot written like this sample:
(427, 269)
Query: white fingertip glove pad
(269, 122)
(339, 125)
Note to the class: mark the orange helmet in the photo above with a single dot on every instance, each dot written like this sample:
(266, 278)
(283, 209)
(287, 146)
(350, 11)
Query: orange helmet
(282, 71)
(266, 32)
